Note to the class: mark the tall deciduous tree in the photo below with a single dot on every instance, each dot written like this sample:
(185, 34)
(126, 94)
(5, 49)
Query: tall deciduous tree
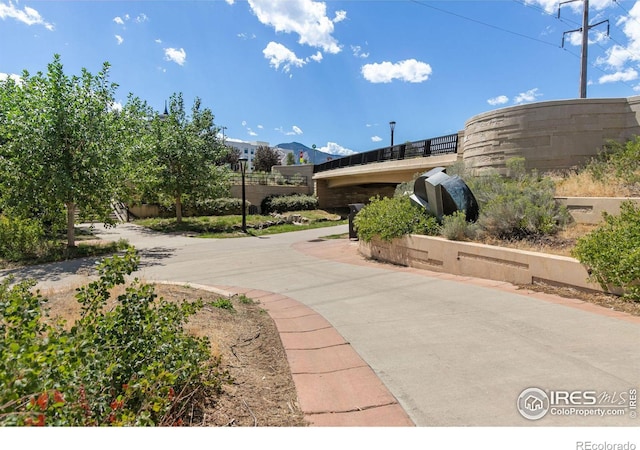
(187, 155)
(265, 158)
(60, 143)
(290, 159)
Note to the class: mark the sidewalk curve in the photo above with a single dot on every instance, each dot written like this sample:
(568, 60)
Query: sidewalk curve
(335, 386)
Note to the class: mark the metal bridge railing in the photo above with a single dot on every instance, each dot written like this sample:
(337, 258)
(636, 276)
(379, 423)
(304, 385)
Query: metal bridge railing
(442, 145)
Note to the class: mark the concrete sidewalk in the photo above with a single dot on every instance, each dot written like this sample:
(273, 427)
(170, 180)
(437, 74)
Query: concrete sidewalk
(449, 351)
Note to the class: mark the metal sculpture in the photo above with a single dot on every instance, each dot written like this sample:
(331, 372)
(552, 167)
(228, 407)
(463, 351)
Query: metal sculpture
(442, 195)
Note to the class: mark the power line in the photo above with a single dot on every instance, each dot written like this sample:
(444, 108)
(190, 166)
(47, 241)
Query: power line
(545, 12)
(521, 2)
(479, 22)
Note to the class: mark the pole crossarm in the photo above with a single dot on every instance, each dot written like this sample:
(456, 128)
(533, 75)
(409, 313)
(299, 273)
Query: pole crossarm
(585, 41)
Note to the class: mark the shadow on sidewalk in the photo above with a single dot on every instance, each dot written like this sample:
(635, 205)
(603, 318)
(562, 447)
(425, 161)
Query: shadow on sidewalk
(154, 256)
(53, 271)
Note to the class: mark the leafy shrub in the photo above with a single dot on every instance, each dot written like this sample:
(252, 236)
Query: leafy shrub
(220, 207)
(284, 203)
(278, 178)
(389, 218)
(131, 364)
(19, 238)
(519, 207)
(456, 228)
(621, 161)
(611, 251)
(297, 179)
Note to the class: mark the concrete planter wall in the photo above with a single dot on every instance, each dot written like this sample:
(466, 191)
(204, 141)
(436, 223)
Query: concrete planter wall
(589, 210)
(144, 211)
(479, 260)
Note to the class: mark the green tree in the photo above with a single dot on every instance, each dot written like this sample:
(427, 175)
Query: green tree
(232, 157)
(59, 144)
(290, 159)
(265, 158)
(186, 155)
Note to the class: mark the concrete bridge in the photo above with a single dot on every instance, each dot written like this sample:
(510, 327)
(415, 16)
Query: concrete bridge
(551, 136)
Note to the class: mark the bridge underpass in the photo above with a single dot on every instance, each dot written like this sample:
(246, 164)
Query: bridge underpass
(337, 188)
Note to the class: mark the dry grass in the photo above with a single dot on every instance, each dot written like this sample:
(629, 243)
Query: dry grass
(560, 244)
(584, 185)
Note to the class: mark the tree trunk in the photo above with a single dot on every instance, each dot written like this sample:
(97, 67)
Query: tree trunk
(178, 209)
(71, 230)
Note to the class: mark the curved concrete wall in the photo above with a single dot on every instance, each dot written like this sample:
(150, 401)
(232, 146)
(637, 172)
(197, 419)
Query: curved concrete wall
(550, 135)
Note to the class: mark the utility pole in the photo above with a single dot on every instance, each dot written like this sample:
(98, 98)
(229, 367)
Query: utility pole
(583, 53)
(585, 42)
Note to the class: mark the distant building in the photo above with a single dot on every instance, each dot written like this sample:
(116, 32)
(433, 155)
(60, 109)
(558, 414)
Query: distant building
(247, 149)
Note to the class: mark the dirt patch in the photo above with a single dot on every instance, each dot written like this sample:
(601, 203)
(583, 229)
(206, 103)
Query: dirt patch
(262, 392)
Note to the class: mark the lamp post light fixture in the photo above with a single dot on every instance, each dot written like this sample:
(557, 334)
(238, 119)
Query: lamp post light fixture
(243, 169)
(392, 125)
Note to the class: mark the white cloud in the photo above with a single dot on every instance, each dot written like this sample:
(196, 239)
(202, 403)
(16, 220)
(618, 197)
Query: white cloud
(551, 6)
(335, 149)
(357, 52)
(279, 55)
(376, 138)
(260, 127)
(408, 70)
(231, 2)
(119, 39)
(295, 131)
(340, 16)
(118, 20)
(499, 100)
(26, 15)
(528, 96)
(244, 123)
(142, 18)
(245, 36)
(178, 56)
(13, 76)
(595, 37)
(158, 41)
(306, 18)
(619, 55)
(625, 75)
(251, 132)
(317, 57)
(115, 106)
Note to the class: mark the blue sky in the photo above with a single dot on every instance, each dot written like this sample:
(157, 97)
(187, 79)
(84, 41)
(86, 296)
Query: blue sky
(332, 73)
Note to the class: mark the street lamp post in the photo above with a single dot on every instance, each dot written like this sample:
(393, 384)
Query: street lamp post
(392, 125)
(243, 169)
(223, 128)
(165, 114)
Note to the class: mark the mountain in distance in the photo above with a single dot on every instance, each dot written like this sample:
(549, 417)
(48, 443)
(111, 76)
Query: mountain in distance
(313, 156)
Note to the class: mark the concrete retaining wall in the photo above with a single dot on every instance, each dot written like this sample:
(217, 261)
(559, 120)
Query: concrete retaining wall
(589, 210)
(144, 211)
(479, 260)
(549, 135)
